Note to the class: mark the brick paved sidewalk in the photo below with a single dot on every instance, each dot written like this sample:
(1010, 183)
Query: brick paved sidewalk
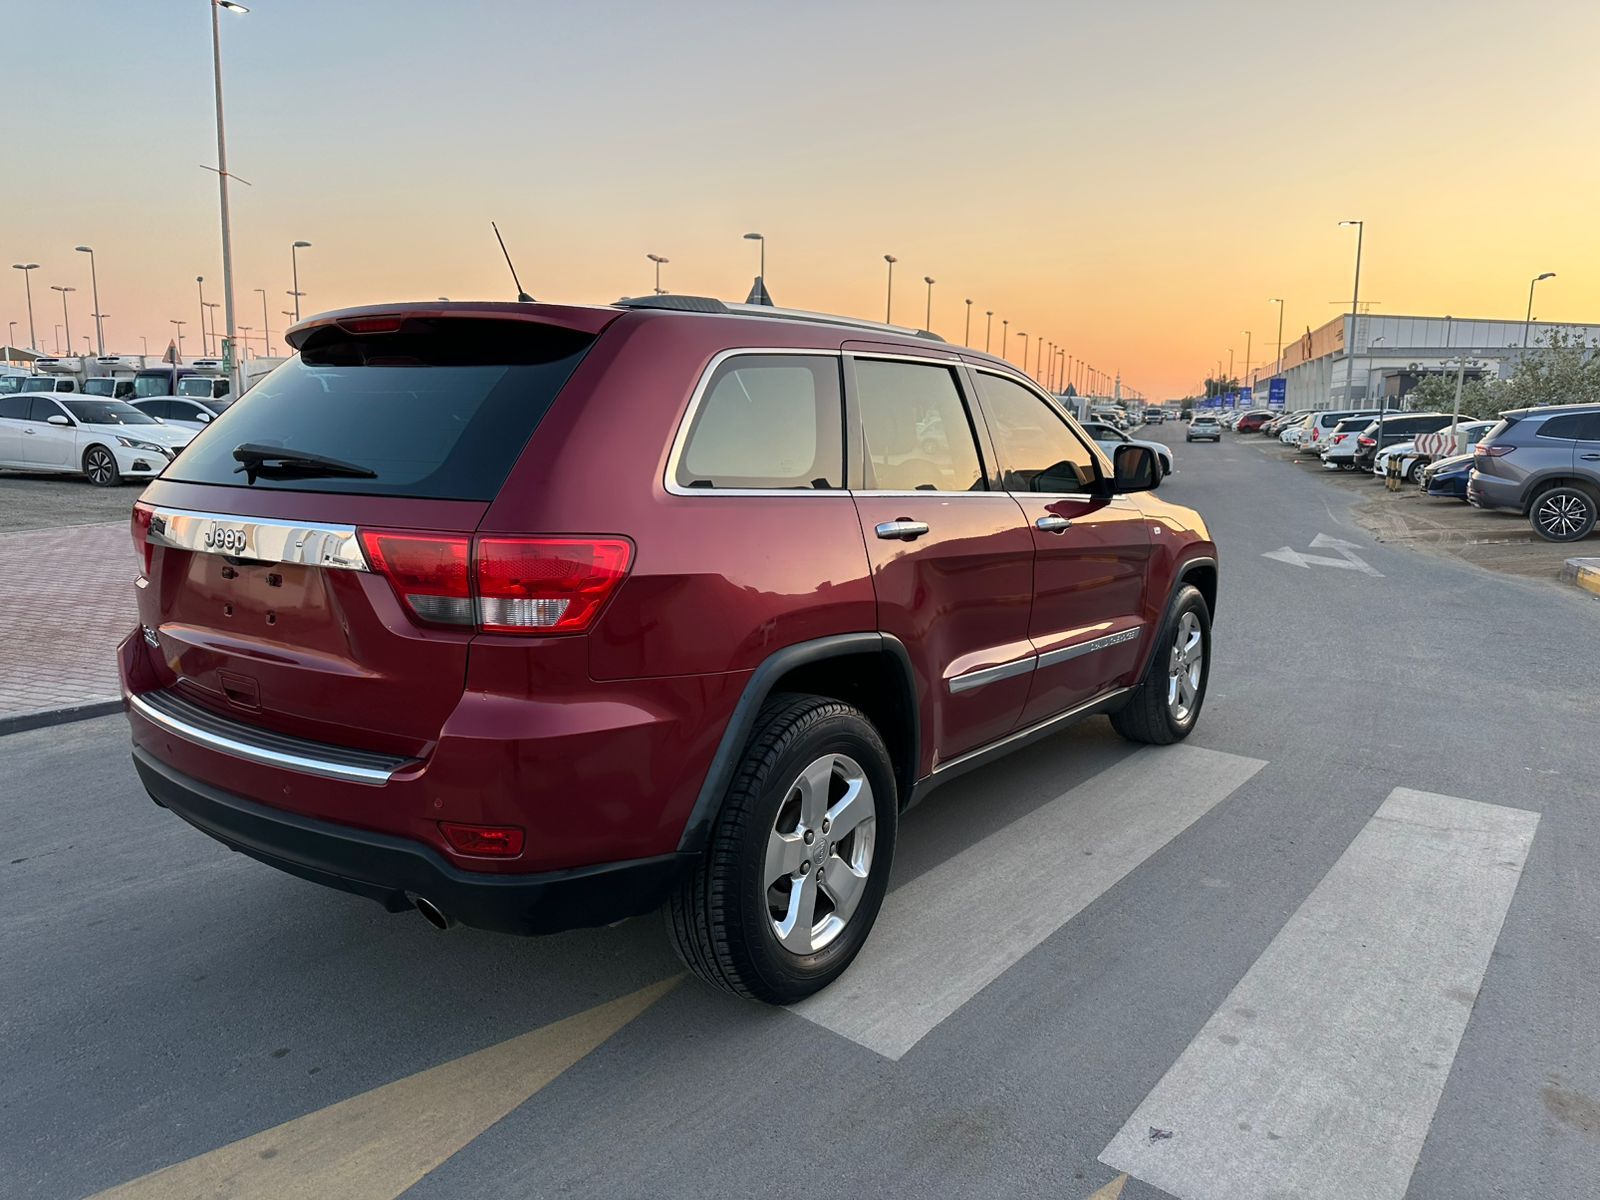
(68, 600)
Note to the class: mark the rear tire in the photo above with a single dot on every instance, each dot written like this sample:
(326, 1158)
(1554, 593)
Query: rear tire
(1563, 513)
(1166, 703)
(100, 466)
(1414, 472)
(727, 918)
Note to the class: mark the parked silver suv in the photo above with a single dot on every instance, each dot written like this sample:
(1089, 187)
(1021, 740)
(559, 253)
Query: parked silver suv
(1545, 463)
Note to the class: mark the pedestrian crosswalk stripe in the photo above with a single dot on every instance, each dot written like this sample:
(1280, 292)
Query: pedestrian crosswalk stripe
(377, 1145)
(1319, 1075)
(947, 934)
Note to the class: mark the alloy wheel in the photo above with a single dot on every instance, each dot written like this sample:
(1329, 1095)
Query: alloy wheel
(1561, 515)
(819, 854)
(100, 467)
(1186, 666)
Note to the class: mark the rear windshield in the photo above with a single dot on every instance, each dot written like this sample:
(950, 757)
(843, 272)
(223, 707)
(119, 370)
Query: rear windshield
(439, 410)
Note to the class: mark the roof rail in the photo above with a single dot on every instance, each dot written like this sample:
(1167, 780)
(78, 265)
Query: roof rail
(708, 304)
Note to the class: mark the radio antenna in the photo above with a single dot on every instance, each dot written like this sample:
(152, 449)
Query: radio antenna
(522, 296)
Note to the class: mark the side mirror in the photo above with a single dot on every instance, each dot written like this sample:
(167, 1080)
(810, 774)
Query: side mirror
(1136, 468)
(56, 419)
(203, 417)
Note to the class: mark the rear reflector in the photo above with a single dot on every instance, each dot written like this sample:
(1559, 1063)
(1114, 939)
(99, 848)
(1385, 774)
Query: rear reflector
(487, 841)
(532, 585)
(546, 585)
(428, 573)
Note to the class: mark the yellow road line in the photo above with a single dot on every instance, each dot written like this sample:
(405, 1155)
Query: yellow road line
(376, 1145)
(1111, 1191)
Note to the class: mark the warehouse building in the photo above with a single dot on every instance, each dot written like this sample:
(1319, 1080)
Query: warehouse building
(1389, 355)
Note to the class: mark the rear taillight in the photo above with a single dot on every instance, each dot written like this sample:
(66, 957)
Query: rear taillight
(1483, 451)
(489, 841)
(523, 585)
(141, 536)
(1366, 441)
(1339, 437)
(427, 571)
(546, 585)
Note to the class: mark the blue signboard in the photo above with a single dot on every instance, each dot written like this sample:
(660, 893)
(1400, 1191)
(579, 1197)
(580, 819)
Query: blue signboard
(1278, 392)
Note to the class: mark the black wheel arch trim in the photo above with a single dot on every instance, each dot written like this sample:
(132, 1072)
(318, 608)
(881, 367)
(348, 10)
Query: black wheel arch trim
(761, 685)
(1182, 577)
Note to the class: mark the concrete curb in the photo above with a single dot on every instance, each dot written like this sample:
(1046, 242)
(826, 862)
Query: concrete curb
(43, 717)
(1585, 572)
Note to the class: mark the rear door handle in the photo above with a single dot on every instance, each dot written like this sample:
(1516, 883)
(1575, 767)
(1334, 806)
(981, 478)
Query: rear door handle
(1591, 458)
(1053, 524)
(901, 529)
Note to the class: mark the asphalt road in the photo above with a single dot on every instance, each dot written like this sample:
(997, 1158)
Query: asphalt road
(50, 501)
(1344, 942)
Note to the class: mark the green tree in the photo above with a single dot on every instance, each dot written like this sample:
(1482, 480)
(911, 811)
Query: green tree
(1437, 393)
(1219, 387)
(1564, 370)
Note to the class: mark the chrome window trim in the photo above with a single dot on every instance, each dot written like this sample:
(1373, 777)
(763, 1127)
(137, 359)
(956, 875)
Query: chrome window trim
(261, 539)
(1063, 654)
(670, 478)
(983, 676)
(241, 747)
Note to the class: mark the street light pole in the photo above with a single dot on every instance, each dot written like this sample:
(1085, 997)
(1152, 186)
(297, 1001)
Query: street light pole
(1527, 323)
(988, 328)
(266, 326)
(66, 318)
(1278, 368)
(1005, 339)
(927, 323)
(200, 282)
(212, 306)
(177, 354)
(99, 329)
(1247, 347)
(1350, 346)
(27, 283)
(966, 339)
(760, 291)
(237, 382)
(888, 302)
(658, 260)
(294, 266)
(1023, 335)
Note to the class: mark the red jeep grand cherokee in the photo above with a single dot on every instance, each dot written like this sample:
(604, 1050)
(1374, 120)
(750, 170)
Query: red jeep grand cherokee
(533, 617)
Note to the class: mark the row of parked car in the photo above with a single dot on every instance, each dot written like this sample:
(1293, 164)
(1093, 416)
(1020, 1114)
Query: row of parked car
(102, 439)
(1542, 462)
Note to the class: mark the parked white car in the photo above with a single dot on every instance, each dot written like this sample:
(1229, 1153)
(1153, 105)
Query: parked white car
(181, 411)
(1295, 432)
(1319, 427)
(1412, 461)
(1340, 446)
(1109, 438)
(106, 440)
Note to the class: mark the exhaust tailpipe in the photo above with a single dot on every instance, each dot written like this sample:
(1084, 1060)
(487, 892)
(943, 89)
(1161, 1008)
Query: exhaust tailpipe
(432, 913)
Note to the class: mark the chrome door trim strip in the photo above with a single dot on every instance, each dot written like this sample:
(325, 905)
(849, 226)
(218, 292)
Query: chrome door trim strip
(968, 680)
(259, 539)
(237, 747)
(1065, 653)
(1031, 731)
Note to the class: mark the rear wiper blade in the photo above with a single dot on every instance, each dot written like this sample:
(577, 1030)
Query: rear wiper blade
(279, 462)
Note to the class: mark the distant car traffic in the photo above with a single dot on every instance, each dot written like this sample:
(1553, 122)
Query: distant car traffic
(177, 410)
(1544, 463)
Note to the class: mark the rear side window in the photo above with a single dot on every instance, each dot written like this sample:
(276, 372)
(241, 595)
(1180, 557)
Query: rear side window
(438, 410)
(1572, 427)
(916, 433)
(767, 421)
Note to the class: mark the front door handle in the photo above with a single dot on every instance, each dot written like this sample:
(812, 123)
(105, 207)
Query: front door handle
(29, 432)
(1591, 458)
(901, 529)
(1053, 524)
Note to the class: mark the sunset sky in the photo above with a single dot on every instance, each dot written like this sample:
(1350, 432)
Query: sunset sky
(1132, 180)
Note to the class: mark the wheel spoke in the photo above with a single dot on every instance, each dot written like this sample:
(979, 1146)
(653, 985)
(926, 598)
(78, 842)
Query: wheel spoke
(844, 886)
(853, 808)
(813, 786)
(785, 853)
(794, 931)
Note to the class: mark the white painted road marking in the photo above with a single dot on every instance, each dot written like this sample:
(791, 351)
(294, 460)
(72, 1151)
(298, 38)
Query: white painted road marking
(1319, 1075)
(1348, 559)
(947, 934)
(377, 1145)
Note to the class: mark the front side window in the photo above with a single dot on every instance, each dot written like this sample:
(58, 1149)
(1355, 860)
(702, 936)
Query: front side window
(1038, 452)
(767, 421)
(914, 428)
(14, 408)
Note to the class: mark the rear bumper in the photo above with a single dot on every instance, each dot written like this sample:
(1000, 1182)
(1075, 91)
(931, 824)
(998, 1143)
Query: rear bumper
(394, 870)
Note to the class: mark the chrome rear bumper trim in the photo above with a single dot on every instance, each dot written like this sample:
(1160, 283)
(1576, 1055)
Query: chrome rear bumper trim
(215, 732)
(258, 539)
